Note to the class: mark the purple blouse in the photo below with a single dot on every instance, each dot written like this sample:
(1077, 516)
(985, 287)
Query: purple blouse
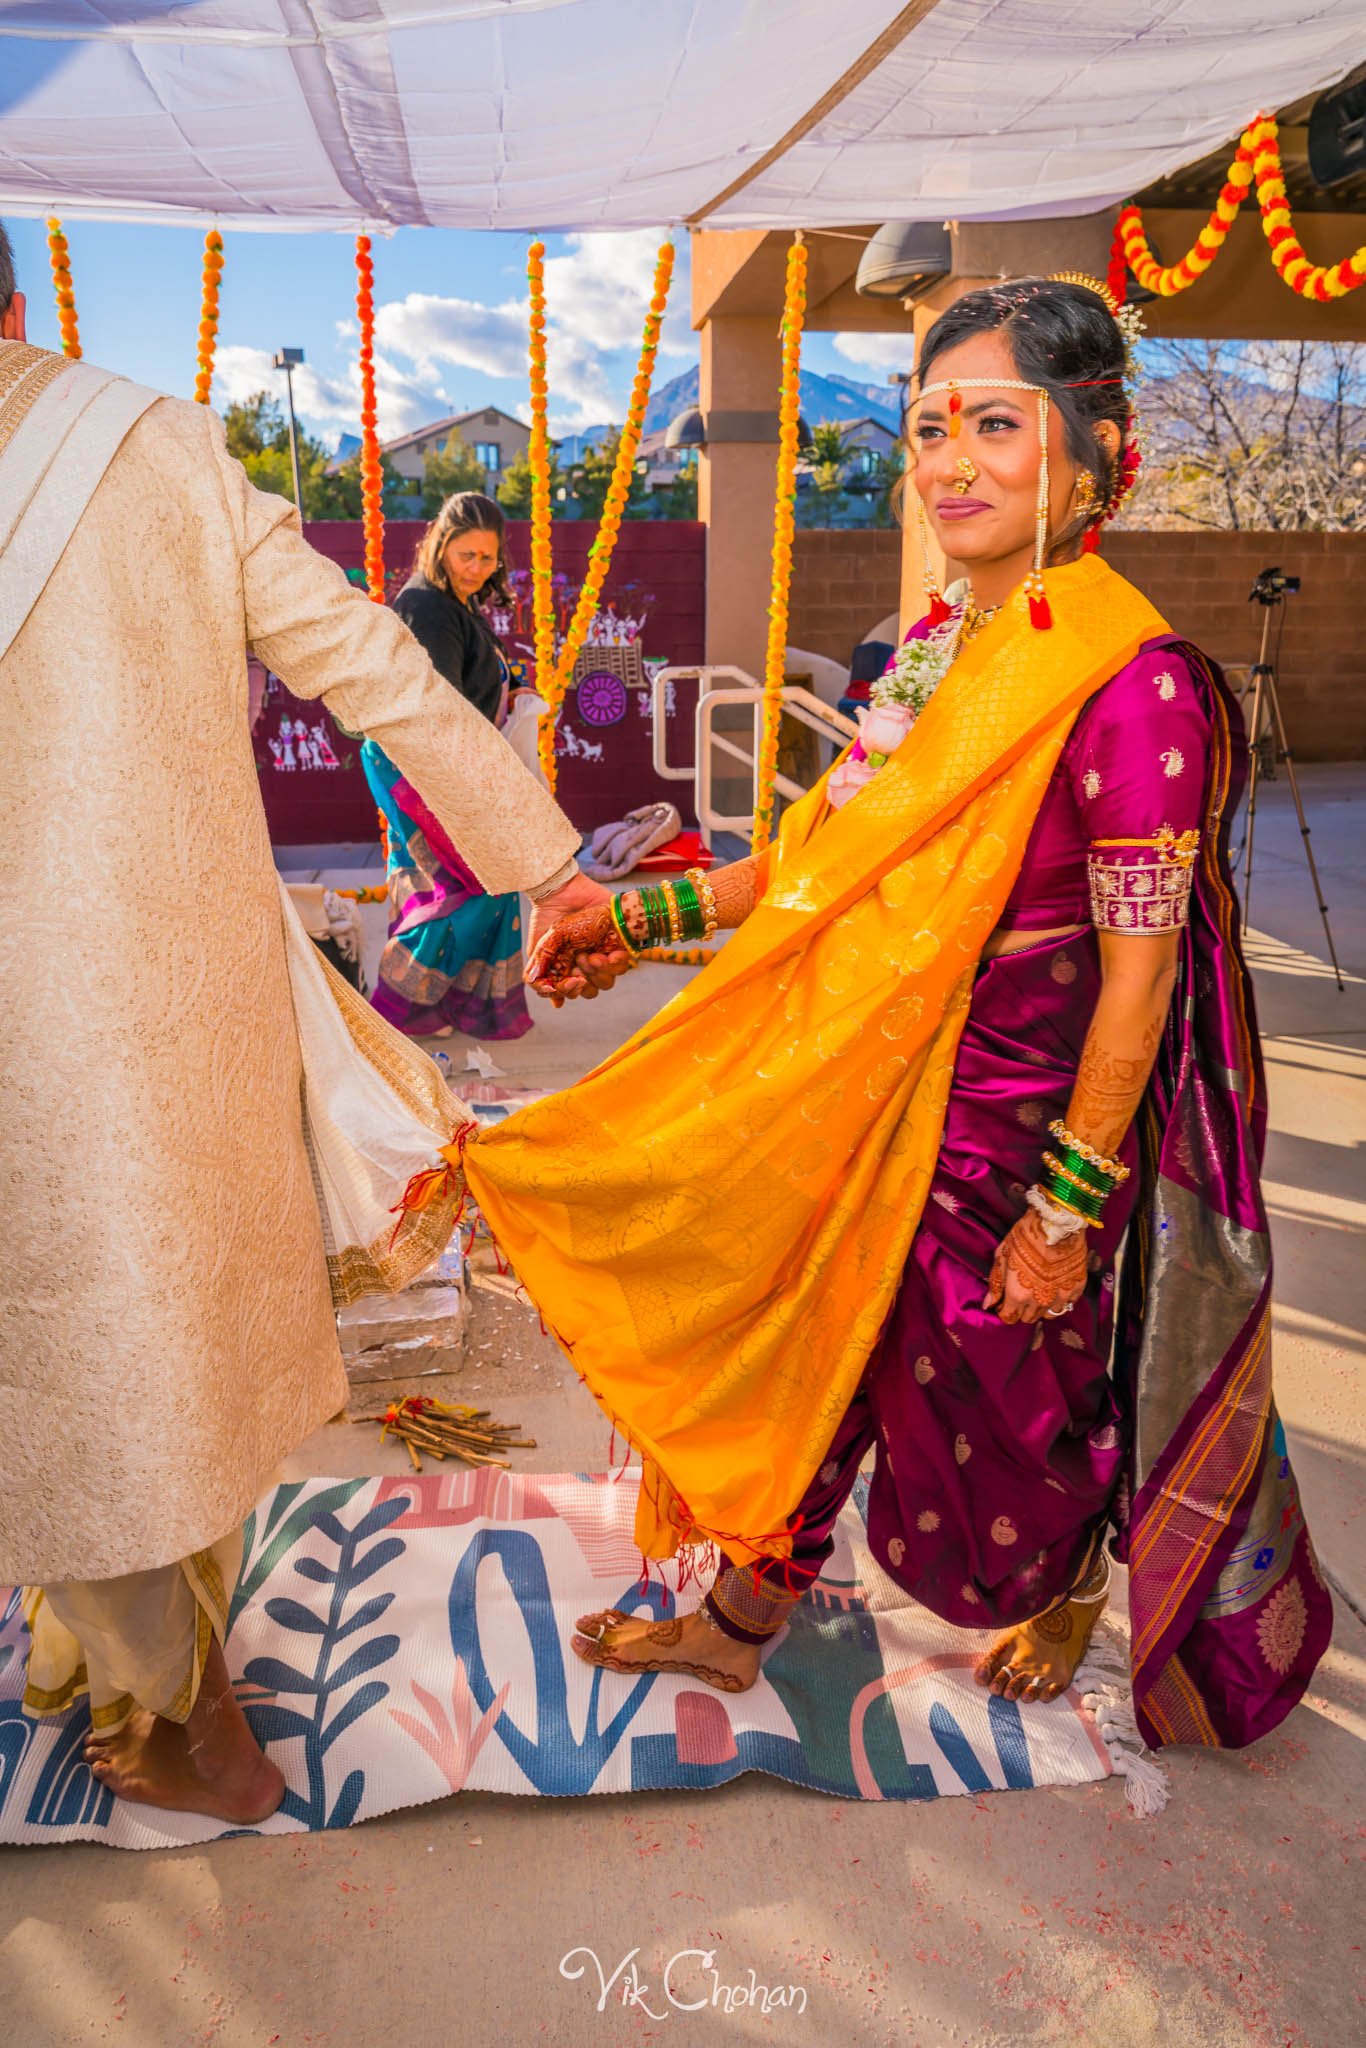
(1112, 844)
(1115, 840)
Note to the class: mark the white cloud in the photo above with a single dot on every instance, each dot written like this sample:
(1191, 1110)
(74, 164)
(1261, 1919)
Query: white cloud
(600, 291)
(877, 351)
(324, 403)
(596, 299)
(461, 332)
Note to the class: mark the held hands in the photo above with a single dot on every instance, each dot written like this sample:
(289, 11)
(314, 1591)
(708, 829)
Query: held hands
(574, 948)
(1031, 1278)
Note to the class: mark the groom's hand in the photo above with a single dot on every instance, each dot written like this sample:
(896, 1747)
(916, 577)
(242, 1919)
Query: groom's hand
(573, 948)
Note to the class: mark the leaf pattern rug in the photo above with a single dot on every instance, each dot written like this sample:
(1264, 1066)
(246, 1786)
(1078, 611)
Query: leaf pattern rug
(396, 1640)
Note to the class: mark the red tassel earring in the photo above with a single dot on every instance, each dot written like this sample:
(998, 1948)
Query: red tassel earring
(940, 609)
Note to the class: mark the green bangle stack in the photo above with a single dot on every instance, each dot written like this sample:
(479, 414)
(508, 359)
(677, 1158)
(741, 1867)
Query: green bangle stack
(674, 913)
(1081, 1179)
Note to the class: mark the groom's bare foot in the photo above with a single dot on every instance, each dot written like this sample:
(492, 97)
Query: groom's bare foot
(687, 1647)
(211, 1765)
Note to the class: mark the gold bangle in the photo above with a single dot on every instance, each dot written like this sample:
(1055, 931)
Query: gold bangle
(666, 890)
(1116, 1169)
(706, 896)
(1092, 1222)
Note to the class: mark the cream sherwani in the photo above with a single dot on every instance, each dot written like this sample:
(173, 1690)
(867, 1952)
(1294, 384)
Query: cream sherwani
(167, 1331)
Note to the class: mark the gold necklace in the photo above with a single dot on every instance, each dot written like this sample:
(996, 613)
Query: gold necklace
(975, 616)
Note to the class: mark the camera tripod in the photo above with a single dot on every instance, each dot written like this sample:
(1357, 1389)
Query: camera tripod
(1266, 724)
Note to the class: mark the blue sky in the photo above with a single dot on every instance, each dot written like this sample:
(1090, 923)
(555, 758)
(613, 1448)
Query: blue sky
(451, 318)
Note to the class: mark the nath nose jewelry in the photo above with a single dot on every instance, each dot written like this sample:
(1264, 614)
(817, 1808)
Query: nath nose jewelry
(967, 476)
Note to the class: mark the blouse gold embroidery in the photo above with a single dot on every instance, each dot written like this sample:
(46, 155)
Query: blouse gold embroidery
(1173, 761)
(1142, 885)
(1166, 685)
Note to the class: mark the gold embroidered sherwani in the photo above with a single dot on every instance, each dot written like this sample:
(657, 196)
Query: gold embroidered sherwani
(166, 1330)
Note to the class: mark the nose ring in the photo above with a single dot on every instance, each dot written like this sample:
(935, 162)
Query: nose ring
(967, 476)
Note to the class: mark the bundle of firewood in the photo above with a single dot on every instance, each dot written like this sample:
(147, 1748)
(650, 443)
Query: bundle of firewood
(435, 1429)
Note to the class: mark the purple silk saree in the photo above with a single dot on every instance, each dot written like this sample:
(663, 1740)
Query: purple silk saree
(1005, 1451)
(1230, 1614)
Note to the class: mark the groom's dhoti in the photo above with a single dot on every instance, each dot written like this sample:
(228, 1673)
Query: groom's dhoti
(141, 1640)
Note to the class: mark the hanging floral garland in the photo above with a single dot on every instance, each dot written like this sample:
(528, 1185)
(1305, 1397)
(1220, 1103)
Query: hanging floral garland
(60, 256)
(784, 522)
(613, 510)
(208, 315)
(1257, 160)
(538, 456)
(371, 466)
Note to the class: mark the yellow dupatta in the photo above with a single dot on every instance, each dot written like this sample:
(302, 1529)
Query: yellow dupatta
(714, 1222)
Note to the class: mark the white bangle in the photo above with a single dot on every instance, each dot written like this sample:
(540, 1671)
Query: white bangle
(1058, 1224)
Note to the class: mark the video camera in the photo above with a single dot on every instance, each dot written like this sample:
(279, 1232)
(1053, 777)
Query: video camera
(1273, 586)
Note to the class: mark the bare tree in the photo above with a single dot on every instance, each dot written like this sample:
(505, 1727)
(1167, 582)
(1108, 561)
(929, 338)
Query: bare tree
(1253, 435)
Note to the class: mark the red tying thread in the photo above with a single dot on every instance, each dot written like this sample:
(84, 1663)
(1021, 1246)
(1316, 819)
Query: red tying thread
(1040, 614)
(939, 610)
(434, 1184)
(1090, 541)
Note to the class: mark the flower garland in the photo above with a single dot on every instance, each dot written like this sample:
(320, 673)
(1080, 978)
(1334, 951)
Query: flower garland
(208, 315)
(538, 456)
(1257, 160)
(784, 522)
(1311, 280)
(896, 701)
(613, 510)
(371, 465)
(60, 256)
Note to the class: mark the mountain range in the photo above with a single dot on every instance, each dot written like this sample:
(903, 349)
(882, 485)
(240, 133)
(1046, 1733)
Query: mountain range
(822, 398)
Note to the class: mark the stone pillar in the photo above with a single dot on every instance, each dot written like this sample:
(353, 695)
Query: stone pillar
(737, 479)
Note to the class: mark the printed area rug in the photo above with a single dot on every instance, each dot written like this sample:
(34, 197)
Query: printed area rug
(395, 1640)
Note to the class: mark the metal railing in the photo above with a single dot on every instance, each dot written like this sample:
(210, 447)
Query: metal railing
(798, 703)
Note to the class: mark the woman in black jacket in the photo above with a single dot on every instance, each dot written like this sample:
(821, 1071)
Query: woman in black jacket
(453, 961)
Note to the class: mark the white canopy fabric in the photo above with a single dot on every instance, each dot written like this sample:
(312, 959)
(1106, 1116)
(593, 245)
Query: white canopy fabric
(582, 114)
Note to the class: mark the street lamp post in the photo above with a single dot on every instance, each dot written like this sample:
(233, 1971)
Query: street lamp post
(288, 360)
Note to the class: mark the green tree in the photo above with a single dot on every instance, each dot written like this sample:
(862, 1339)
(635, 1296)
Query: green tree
(514, 487)
(828, 453)
(254, 425)
(325, 497)
(679, 501)
(447, 470)
(890, 470)
(589, 479)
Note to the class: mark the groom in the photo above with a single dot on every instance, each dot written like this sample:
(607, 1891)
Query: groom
(168, 1334)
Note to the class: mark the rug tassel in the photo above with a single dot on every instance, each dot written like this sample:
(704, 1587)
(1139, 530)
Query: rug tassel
(1103, 1682)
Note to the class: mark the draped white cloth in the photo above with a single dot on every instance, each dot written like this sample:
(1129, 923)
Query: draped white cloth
(543, 114)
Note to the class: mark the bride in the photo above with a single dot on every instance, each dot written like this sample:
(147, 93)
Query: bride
(862, 1187)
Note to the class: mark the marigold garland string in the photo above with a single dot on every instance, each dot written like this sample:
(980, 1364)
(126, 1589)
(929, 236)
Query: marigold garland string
(784, 521)
(1256, 161)
(208, 315)
(60, 256)
(538, 456)
(613, 510)
(371, 465)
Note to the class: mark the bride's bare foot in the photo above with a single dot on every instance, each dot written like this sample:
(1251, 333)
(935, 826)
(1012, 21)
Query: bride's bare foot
(211, 1764)
(688, 1647)
(1038, 1659)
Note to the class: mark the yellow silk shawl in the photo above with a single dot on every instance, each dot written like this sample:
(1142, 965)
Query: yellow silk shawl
(715, 1220)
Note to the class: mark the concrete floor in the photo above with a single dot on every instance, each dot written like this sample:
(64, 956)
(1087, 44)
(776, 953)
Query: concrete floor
(1014, 1918)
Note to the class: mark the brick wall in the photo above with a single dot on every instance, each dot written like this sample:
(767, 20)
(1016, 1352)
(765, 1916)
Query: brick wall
(844, 582)
(1201, 581)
